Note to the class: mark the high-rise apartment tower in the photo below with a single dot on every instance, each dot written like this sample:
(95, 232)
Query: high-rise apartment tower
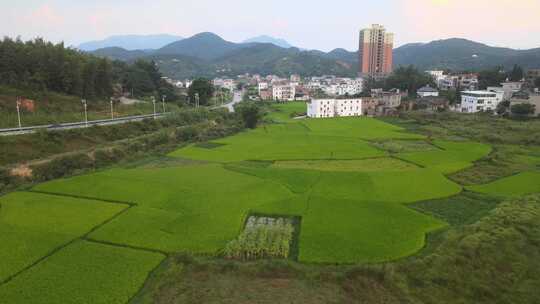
(376, 47)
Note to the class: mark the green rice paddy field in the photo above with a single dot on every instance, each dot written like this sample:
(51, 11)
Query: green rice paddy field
(95, 238)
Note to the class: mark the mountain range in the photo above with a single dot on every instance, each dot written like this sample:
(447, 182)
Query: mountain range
(131, 42)
(208, 55)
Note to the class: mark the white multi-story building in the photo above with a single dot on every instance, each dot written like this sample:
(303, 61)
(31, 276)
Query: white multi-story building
(478, 101)
(437, 75)
(283, 92)
(263, 86)
(324, 108)
(345, 86)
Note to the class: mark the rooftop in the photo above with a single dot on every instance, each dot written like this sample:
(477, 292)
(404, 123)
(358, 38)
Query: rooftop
(427, 89)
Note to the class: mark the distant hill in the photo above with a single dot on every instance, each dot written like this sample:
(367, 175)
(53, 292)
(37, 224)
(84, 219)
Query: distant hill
(267, 39)
(117, 53)
(131, 42)
(205, 46)
(343, 55)
(461, 54)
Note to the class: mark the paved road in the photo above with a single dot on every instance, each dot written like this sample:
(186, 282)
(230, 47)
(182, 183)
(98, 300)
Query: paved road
(237, 98)
(77, 125)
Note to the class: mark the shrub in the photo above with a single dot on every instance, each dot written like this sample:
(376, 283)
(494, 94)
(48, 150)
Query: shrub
(187, 133)
(61, 166)
(107, 157)
(250, 113)
(523, 109)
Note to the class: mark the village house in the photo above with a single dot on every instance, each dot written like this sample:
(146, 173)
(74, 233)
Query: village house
(325, 108)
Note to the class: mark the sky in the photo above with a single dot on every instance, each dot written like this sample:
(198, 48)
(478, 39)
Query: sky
(307, 24)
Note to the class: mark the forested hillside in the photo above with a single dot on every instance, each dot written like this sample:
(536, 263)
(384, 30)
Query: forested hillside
(38, 65)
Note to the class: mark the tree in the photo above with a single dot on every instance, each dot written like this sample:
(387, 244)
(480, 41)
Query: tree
(453, 96)
(516, 74)
(490, 78)
(204, 88)
(250, 113)
(408, 79)
(502, 107)
(104, 78)
(89, 80)
(523, 109)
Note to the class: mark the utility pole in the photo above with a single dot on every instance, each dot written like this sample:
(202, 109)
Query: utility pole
(154, 102)
(112, 109)
(85, 112)
(196, 100)
(19, 111)
(163, 102)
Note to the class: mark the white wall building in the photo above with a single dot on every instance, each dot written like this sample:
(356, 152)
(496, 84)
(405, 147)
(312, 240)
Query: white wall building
(345, 86)
(263, 86)
(437, 75)
(427, 91)
(283, 92)
(477, 101)
(322, 108)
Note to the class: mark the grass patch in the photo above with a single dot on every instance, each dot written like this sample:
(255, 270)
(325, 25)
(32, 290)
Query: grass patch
(209, 145)
(462, 209)
(401, 146)
(362, 165)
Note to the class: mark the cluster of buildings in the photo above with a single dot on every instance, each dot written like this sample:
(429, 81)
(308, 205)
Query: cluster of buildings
(455, 81)
(379, 103)
(330, 96)
(473, 100)
(296, 88)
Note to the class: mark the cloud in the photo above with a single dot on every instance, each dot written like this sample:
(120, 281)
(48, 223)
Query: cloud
(45, 16)
(473, 18)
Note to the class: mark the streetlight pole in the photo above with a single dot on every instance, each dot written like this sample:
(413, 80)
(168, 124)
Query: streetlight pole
(163, 102)
(19, 112)
(154, 102)
(112, 109)
(85, 112)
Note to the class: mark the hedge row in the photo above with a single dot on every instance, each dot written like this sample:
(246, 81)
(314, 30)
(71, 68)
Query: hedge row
(161, 141)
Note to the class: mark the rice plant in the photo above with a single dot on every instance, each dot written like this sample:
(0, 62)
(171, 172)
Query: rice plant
(263, 237)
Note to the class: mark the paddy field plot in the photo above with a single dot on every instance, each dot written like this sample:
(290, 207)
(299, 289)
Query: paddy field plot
(32, 225)
(450, 157)
(83, 272)
(517, 185)
(323, 139)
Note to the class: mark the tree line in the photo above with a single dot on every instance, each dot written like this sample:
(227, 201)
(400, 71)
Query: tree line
(39, 65)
